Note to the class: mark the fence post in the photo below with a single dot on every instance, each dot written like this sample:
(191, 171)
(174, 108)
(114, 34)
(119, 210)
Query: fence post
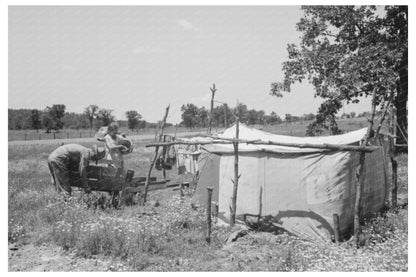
(67, 135)
(25, 136)
(54, 135)
(79, 134)
(40, 136)
(208, 236)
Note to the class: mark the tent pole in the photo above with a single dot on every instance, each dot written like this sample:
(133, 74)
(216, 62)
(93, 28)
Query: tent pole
(236, 176)
(360, 172)
(146, 185)
(213, 90)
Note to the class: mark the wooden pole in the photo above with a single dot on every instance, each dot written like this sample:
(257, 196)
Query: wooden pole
(218, 140)
(146, 185)
(213, 90)
(337, 230)
(360, 173)
(208, 235)
(392, 154)
(236, 176)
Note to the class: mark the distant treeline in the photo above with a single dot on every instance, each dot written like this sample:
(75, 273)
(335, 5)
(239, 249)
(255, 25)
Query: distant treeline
(56, 118)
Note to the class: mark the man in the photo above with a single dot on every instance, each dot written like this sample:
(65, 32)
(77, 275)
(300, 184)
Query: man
(71, 157)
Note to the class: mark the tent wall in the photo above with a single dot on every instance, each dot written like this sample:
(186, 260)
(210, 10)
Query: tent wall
(299, 192)
(208, 177)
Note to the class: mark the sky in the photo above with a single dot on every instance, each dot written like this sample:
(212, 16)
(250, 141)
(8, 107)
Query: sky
(144, 58)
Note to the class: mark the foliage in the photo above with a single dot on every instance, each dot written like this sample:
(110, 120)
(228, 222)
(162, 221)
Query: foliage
(75, 121)
(347, 52)
(133, 119)
(36, 119)
(189, 115)
(325, 119)
(19, 119)
(105, 116)
(91, 113)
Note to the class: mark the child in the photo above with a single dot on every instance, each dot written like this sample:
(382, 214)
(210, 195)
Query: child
(112, 145)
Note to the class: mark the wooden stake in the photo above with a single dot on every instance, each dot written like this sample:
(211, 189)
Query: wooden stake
(337, 230)
(146, 186)
(208, 236)
(236, 176)
(213, 90)
(360, 173)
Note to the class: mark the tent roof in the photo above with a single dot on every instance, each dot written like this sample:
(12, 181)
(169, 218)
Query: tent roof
(247, 133)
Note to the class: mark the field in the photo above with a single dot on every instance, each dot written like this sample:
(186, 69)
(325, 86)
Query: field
(49, 233)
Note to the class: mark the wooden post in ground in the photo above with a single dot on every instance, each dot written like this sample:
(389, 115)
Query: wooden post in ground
(208, 236)
(392, 154)
(213, 90)
(337, 230)
(360, 173)
(146, 185)
(236, 176)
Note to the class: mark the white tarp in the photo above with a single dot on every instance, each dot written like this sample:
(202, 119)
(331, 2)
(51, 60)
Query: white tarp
(247, 133)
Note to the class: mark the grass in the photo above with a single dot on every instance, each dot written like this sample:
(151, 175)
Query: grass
(171, 236)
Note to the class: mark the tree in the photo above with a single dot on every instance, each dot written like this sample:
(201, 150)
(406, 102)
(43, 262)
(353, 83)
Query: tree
(47, 122)
(133, 118)
(288, 117)
(105, 116)
(75, 121)
(347, 52)
(54, 114)
(91, 113)
(189, 115)
(35, 119)
(203, 117)
(273, 118)
(241, 111)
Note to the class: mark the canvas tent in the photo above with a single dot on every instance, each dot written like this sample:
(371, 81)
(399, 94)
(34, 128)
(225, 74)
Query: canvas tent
(298, 189)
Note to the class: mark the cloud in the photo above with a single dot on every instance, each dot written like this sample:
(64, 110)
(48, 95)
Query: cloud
(186, 25)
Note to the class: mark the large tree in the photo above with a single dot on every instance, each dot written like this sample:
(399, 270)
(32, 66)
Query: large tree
(105, 116)
(347, 52)
(53, 117)
(91, 113)
(190, 115)
(133, 118)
